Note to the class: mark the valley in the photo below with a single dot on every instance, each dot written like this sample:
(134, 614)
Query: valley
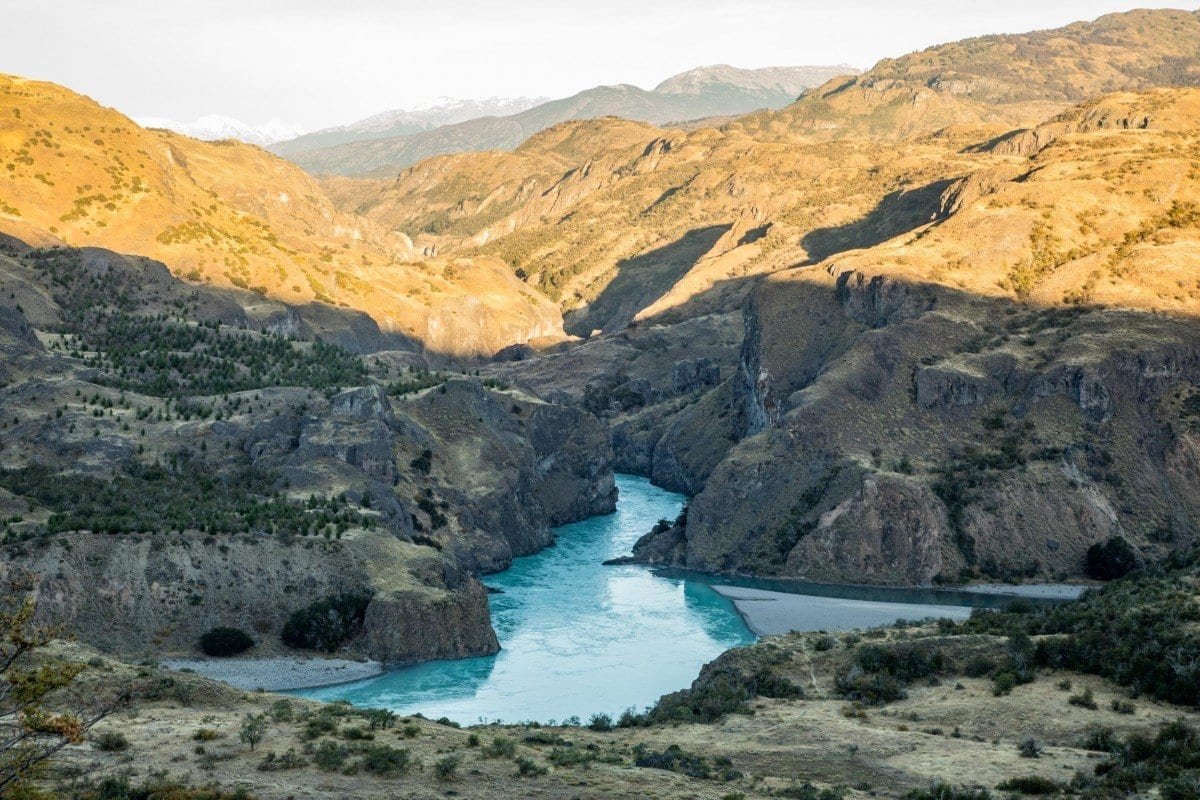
(521, 420)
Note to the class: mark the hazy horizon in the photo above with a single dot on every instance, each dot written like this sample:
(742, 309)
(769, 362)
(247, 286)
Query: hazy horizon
(312, 64)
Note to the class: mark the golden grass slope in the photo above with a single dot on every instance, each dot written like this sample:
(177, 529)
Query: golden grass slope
(227, 213)
(1106, 212)
(633, 222)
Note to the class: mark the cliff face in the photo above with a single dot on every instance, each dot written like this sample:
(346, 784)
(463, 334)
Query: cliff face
(548, 465)
(918, 452)
(146, 595)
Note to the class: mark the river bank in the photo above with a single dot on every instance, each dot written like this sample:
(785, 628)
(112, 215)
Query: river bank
(768, 613)
(278, 673)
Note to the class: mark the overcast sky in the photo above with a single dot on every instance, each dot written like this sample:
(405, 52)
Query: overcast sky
(317, 63)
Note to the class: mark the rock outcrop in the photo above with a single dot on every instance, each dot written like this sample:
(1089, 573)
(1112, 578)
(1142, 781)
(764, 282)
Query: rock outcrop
(146, 594)
(915, 451)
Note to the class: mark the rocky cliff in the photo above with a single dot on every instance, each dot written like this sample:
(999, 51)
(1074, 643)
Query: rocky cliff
(165, 473)
(949, 437)
(987, 395)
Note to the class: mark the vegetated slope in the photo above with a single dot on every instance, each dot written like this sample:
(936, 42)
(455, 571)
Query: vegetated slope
(1094, 698)
(989, 394)
(170, 462)
(623, 235)
(405, 122)
(705, 92)
(230, 214)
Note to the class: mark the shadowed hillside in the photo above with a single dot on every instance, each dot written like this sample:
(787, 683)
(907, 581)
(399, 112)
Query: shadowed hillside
(230, 214)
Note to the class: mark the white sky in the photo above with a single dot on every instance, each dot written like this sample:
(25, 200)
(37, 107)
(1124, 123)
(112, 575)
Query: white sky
(324, 62)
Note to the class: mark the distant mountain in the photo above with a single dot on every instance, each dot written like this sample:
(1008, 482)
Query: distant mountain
(705, 92)
(215, 127)
(405, 122)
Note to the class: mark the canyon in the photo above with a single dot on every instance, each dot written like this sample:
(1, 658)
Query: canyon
(929, 324)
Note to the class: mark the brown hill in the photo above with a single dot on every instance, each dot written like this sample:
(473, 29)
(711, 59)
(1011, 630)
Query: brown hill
(230, 214)
(676, 215)
(990, 393)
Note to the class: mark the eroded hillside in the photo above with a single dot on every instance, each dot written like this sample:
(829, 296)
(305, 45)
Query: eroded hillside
(230, 214)
(681, 219)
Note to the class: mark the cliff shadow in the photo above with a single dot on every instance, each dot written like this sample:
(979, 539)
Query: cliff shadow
(643, 279)
(897, 213)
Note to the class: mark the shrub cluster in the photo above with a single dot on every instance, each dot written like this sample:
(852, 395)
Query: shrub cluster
(676, 759)
(180, 495)
(1137, 632)
(225, 642)
(326, 624)
(880, 672)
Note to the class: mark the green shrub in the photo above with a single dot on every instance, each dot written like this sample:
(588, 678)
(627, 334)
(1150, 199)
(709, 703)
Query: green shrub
(281, 711)
(380, 759)
(446, 769)
(676, 759)
(381, 718)
(225, 642)
(944, 791)
(979, 666)
(905, 662)
(1111, 560)
(329, 756)
(1029, 784)
(571, 757)
(326, 624)
(500, 747)
(318, 726)
(528, 768)
(1085, 699)
(600, 723)
(1123, 707)
(1029, 748)
(872, 689)
(289, 760)
(1101, 740)
(724, 687)
(110, 742)
(806, 791)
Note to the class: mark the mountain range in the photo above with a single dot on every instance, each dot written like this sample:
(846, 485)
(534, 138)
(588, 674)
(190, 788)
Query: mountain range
(705, 92)
(215, 127)
(404, 122)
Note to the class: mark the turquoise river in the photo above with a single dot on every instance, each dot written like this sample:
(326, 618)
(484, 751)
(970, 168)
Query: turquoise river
(577, 637)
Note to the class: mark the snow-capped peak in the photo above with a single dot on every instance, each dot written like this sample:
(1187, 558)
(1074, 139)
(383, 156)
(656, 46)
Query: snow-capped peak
(212, 127)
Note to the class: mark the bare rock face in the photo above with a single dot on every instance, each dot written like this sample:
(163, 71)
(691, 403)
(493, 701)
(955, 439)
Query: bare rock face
(914, 434)
(878, 301)
(549, 465)
(15, 329)
(693, 375)
(888, 530)
(398, 626)
(941, 386)
(367, 402)
(148, 593)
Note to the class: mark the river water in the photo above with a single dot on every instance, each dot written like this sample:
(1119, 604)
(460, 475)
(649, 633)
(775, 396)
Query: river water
(578, 637)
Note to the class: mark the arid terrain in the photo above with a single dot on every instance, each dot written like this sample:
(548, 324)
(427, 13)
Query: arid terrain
(933, 323)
